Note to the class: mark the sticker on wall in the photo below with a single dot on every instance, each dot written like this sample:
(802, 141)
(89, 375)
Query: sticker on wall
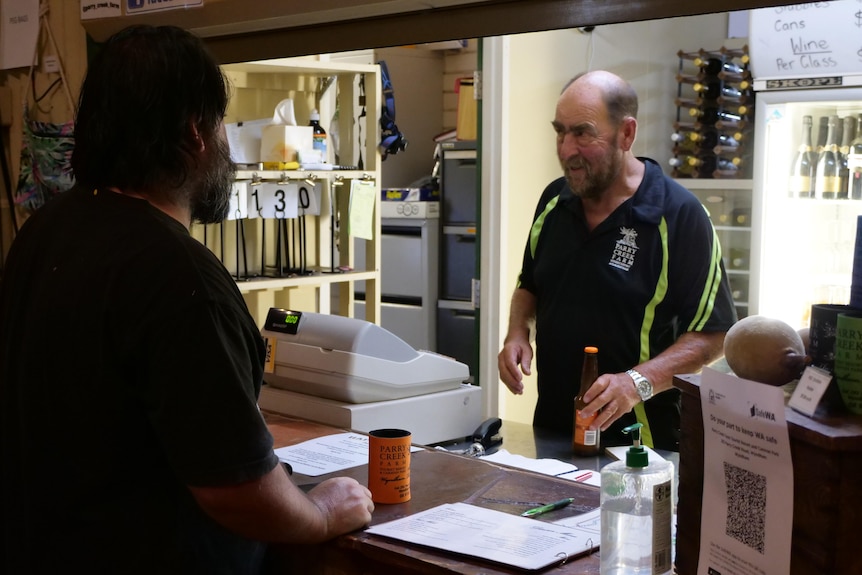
(141, 6)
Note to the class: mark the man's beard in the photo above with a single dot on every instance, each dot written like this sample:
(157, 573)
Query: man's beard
(596, 179)
(210, 200)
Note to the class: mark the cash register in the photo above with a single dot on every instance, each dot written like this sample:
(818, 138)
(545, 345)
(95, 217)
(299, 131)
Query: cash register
(354, 374)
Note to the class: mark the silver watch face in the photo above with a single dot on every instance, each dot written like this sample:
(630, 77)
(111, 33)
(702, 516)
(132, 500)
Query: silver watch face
(642, 384)
(644, 388)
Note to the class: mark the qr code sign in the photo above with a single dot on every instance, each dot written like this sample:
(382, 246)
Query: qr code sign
(746, 506)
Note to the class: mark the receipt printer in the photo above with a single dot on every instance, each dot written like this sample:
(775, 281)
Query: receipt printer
(355, 374)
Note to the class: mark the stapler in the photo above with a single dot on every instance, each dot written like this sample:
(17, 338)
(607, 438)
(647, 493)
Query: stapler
(486, 436)
(488, 433)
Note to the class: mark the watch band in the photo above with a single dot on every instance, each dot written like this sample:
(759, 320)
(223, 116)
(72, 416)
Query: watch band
(642, 384)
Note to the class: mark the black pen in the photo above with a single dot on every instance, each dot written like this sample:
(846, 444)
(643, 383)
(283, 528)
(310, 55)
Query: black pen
(549, 507)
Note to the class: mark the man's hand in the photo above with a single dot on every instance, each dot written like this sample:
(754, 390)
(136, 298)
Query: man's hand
(612, 393)
(344, 503)
(514, 361)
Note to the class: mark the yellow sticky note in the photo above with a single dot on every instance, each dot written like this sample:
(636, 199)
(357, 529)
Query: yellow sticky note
(362, 196)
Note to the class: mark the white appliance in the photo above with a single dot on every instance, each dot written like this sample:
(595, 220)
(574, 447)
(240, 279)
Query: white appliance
(804, 61)
(802, 247)
(354, 374)
(409, 248)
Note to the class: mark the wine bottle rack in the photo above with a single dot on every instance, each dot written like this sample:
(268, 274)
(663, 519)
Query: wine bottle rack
(714, 127)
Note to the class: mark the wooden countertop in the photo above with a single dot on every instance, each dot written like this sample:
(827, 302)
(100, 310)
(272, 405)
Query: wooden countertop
(437, 477)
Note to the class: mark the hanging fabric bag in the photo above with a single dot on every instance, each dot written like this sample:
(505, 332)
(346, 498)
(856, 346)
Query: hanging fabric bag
(46, 150)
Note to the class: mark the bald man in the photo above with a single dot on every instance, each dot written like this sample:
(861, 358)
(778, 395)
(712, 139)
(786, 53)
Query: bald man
(620, 257)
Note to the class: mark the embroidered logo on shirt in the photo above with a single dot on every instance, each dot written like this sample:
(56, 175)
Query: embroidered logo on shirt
(624, 252)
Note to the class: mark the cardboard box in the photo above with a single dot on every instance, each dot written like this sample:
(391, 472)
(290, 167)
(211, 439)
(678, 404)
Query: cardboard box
(467, 120)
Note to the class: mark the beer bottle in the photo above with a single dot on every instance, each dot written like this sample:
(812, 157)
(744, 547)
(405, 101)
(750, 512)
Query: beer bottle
(586, 441)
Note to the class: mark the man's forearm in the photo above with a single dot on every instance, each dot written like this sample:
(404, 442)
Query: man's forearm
(688, 354)
(522, 313)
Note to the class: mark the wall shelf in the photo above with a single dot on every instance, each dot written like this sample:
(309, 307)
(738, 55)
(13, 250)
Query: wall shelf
(255, 249)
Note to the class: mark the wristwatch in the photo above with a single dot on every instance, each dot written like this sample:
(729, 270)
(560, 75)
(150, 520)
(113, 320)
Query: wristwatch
(642, 384)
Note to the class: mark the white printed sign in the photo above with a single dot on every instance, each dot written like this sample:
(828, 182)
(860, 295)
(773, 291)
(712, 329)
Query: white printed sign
(238, 207)
(19, 30)
(742, 531)
(309, 198)
(274, 200)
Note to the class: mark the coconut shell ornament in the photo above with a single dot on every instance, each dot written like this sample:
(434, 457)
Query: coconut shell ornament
(765, 350)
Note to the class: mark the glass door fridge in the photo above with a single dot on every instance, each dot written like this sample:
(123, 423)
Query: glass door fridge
(802, 246)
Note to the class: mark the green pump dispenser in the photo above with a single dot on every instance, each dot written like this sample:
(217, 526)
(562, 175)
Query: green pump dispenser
(636, 455)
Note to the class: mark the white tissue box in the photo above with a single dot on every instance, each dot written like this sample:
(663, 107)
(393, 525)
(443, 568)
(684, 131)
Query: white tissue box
(280, 143)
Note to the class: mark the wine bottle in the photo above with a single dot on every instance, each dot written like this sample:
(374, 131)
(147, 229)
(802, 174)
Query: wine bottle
(822, 133)
(709, 138)
(713, 89)
(739, 258)
(685, 126)
(710, 115)
(681, 168)
(727, 150)
(706, 164)
(713, 66)
(586, 441)
(854, 163)
(826, 172)
(744, 110)
(848, 135)
(802, 171)
(731, 96)
(736, 78)
(730, 123)
(738, 288)
(682, 144)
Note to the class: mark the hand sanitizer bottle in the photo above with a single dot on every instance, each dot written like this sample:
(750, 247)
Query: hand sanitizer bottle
(637, 510)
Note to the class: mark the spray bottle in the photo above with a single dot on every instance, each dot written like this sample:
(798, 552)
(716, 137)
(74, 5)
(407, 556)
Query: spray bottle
(637, 510)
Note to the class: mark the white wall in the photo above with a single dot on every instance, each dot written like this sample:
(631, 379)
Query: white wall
(534, 68)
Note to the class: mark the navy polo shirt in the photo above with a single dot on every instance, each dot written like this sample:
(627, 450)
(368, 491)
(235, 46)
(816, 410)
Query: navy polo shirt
(648, 273)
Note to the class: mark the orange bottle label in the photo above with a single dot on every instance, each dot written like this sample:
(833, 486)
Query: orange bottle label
(584, 435)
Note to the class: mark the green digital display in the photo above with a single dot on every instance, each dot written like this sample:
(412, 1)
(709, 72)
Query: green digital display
(283, 320)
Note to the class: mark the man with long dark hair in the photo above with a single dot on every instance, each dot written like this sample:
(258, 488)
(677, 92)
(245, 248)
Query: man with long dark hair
(129, 364)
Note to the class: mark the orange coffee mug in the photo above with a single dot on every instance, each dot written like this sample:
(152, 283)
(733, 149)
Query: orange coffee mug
(389, 465)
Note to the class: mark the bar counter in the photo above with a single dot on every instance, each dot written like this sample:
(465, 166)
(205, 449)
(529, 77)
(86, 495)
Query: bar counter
(439, 477)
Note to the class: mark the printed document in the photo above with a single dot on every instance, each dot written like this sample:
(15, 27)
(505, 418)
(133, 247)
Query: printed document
(747, 511)
(496, 536)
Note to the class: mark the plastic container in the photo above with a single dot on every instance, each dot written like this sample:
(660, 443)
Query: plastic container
(637, 510)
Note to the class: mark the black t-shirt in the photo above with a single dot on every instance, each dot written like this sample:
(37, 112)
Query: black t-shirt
(129, 368)
(649, 272)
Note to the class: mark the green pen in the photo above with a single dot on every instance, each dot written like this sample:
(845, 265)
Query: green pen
(546, 508)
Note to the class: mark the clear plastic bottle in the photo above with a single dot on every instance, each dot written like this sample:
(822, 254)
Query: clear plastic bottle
(637, 510)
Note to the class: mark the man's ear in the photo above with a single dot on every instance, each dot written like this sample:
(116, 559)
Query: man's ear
(628, 131)
(196, 138)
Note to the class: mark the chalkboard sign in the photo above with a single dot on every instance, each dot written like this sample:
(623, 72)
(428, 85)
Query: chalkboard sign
(815, 39)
